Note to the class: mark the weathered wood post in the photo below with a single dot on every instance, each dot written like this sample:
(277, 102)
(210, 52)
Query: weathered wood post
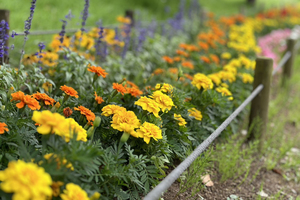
(259, 106)
(4, 15)
(288, 67)
(130, 15)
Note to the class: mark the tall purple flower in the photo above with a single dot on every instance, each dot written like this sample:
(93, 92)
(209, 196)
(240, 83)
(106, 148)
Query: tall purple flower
(99, 40)
(141, 38)
(28, 26)
(85, 14)
(39, 54)
(3, 38)
(63, 31)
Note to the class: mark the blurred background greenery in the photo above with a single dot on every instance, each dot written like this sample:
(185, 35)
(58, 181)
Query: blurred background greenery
(48, 13)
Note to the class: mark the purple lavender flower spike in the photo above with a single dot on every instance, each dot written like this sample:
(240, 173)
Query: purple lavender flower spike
(85, 14)
(63, 31)
(3, 38)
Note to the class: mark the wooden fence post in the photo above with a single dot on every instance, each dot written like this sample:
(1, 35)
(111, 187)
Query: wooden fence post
(4, 15)
(287, 68)
(130, 15)
(260, 104)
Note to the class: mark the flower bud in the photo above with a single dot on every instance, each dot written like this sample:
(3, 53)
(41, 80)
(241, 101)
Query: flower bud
(97, 122)
(90, 132)
(2, 108)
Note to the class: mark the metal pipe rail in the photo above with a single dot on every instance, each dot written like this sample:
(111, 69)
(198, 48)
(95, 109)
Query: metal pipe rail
(174, 175)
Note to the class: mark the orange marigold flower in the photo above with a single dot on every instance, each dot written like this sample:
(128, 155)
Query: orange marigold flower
(25, 100)
(120, 88)
(205, 59)
(158, 71)
(203, 45)
(134, 92)
(90, 116)
(17, 96)
(42, 96)
(98, 99)
(177, 58)
(215, 58)
(188, 64)
(3, 127)
(67, 112)
(132, 84)
(168, 59)
(173, 70)
(188, 76)
(97, 70)
(183, 53)
(69, 91)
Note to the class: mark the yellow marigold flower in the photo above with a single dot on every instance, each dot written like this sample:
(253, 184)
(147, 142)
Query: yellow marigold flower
(27, 181)
(149, 105)
(163, 100)
(46, 86)
(70, 127)
(202, 81)
(167, 88)
(148, 131)
(227, 76)
(90, 116)
(195, 113)
(51, 156)
(224, 85)
(181, 121)
(97, 70)
(125, 20)
(235, 63)
(49, 122)
(56, 188)
(69, 91)
(215, 78)
(74, 192)
(247, 78)
(111, 110)
(230, 68)
(226, 55)
(224, 92)
(125, 122)
(3, 127)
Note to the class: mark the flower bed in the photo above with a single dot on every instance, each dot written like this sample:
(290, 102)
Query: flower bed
(69, 126)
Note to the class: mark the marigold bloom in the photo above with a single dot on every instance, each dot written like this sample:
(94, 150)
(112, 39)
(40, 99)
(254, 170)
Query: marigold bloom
(167, 88)
(227, 76)
(225, 92)
(203, 45)
(124, 20)
(112, 109)
(173, 70)
(25, 100)
(69, 91)
(149, 105)
(42, 96)
(188, 64)
(69, 127)
(51, 156)
(3, 127)
(163, 100)
(226, 55)
(134, 92)
(215, 78)
(202, 81)
(90, 116)
(168, 59)
(17, 96)
(26, 180)
(98, 98)
(247, 78)
(158, 71)
(56, 188)
(195, 113)
(120, 88)
(183, 53)
(181, 121)
(131, 84)
(74, 192)
(67, 112)
(177, 58)
(97, 70)
(188, 76)
(148, 131)
(215, 58)
(125, 121)
(205, 59)
(49, 122)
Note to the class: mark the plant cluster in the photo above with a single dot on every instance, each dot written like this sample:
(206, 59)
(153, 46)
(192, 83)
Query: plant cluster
(70, 128)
